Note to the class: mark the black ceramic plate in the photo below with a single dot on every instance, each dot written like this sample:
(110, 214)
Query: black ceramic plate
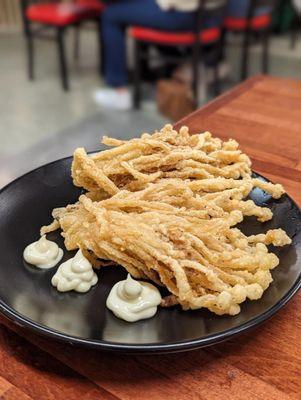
(27, 297)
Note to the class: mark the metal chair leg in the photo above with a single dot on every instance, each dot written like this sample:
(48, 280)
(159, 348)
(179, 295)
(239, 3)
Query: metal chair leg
(30, 55)
(265, 52)
(76, 42)
(196, 72)
(223, 44)
(29, 40)
(220, 56)
(62, 59)
(217, 86)
(294, 33)
(137, 76)
(101, 55)
(293, 38)
(245, 55)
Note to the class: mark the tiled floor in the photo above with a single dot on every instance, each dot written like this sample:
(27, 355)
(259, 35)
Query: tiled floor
(39, 123)
(39, 115)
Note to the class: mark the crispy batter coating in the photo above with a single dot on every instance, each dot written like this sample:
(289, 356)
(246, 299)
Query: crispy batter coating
(165, 207)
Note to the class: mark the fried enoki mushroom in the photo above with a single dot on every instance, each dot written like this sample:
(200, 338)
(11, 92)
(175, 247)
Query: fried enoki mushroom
(165, 207)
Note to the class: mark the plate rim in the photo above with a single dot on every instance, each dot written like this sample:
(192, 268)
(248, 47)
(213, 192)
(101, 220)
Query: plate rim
(184, 345)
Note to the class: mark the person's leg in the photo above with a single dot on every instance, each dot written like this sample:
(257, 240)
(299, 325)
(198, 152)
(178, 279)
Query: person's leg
(114, 45)
(115, 19)
(134, 12)
(114, 50)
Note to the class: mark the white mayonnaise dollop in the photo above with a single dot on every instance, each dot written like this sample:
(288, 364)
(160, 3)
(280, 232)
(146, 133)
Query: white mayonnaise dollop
(132, 300)
(43, 253)
(75, 274)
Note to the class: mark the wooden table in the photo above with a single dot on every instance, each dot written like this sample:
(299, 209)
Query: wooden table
(264, 115)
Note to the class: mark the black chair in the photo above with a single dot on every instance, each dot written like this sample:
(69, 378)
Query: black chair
(193, 41)
(251, 26)
(295, 24)
(41, 17)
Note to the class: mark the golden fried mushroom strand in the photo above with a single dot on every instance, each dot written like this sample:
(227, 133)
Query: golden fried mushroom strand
(165, 207)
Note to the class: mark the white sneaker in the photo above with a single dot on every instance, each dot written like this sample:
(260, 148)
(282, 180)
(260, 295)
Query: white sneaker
(114, 99)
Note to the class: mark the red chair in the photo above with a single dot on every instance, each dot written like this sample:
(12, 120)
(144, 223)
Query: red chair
(250, 25)
(40, 17)
(95, 5)
(194, 41)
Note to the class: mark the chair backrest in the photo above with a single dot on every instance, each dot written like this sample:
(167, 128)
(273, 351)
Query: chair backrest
(210, 12)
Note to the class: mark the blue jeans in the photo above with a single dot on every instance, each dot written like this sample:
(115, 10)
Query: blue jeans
(118, 16)
(123, 13)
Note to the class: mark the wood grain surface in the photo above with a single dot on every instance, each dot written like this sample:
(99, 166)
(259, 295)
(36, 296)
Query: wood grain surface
(264, 115)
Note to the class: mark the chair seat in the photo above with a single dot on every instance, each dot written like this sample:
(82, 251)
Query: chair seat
(60, 14)
(174, 38)
(239, 24)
